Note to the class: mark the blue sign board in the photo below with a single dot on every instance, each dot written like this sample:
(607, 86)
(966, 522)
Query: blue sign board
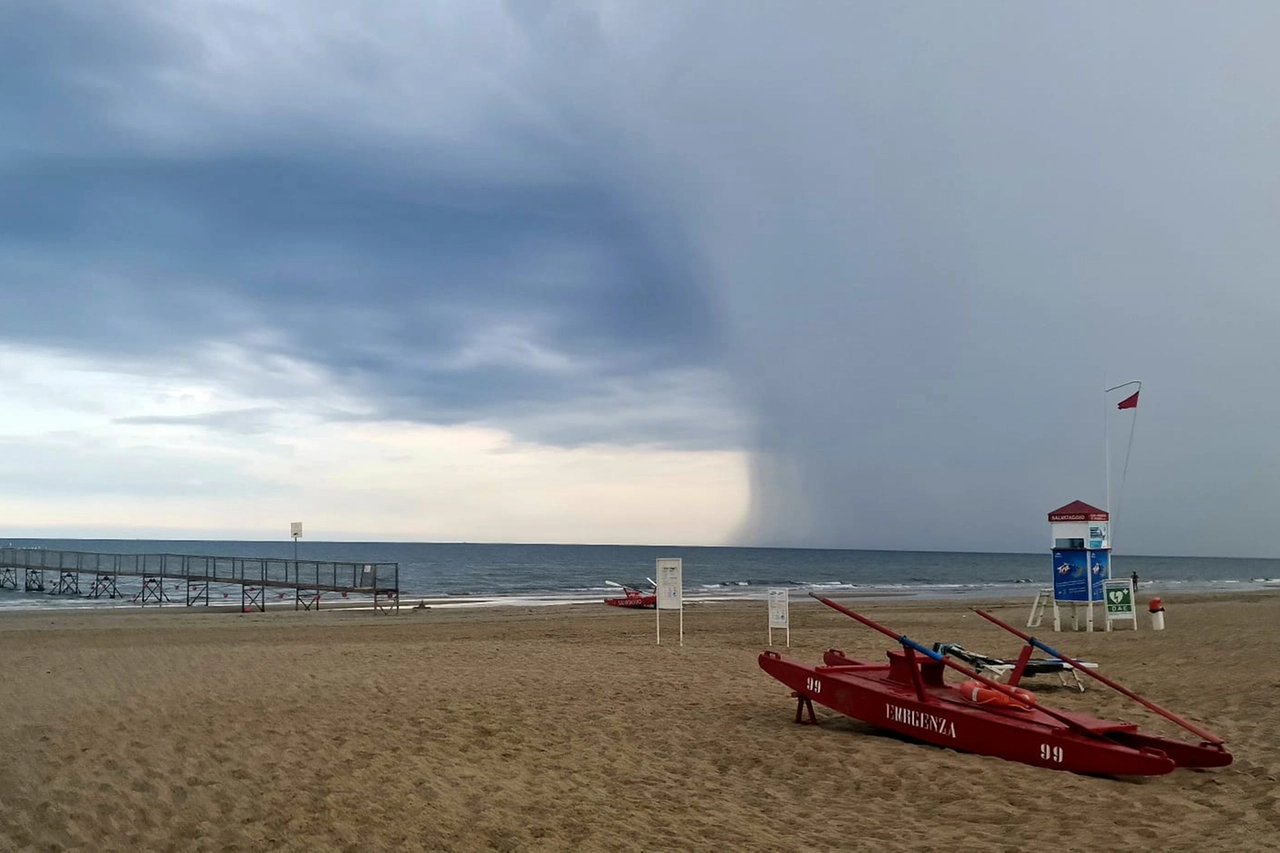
(1100, 566)
(1076, 570)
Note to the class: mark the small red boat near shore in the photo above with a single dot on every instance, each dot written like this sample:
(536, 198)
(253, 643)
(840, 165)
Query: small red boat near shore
(908, 695)
(632, 597)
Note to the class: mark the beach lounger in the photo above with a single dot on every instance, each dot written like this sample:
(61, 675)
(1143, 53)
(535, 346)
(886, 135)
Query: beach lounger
(999, 668)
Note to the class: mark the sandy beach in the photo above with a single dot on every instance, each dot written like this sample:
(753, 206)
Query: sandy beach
(564, 728)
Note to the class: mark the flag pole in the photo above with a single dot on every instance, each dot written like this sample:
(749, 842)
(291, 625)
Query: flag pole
(1128, 450)
(1106, 453)
(1106, 475)
(1111, 523)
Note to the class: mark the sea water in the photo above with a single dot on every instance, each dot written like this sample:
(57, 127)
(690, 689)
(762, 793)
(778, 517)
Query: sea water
(470, 574)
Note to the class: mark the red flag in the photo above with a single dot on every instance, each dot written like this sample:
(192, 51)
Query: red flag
(1130, 402)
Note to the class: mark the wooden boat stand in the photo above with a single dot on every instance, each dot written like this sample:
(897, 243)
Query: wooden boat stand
(804, 703)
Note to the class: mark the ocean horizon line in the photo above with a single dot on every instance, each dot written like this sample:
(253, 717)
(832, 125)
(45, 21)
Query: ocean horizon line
(514, 544)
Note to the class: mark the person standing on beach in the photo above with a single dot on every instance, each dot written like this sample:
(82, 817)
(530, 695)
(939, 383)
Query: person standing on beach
(1134, 577)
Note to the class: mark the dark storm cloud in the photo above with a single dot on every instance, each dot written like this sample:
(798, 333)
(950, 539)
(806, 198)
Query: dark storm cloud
(917, 239)
(59, 61)
(414, 280)
(953, 225)
(343, 262)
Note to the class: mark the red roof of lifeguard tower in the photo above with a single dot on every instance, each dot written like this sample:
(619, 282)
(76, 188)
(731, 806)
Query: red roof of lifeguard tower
(1078, 511)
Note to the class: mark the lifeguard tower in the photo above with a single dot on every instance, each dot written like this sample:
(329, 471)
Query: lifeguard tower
(1081, 562)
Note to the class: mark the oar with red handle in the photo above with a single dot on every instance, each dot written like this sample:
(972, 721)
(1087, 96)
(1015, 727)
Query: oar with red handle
(907, 642)
(1079, 667)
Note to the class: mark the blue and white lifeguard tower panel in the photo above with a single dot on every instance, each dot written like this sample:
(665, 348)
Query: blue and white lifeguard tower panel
(1081, 552)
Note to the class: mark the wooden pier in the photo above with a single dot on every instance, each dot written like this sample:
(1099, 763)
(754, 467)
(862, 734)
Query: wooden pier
(96, 575)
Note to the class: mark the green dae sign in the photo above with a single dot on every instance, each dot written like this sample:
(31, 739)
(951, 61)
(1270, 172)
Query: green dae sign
(1119, 598)
(1117, 595)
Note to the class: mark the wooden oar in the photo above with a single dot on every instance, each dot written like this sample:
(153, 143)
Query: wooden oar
(1079, 667)
(912, 644)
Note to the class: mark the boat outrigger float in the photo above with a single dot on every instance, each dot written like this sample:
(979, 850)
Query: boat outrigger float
(983, 716)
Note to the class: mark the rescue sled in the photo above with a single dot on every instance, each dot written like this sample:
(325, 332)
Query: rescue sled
(632, 597)
(909, 696)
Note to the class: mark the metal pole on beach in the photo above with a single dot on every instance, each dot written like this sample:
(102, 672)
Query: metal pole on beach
(1106, 454)
(1106, 415)
(295, 530)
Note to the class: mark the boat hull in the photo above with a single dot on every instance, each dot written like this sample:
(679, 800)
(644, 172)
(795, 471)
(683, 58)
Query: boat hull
(873, 694)
(634, 601)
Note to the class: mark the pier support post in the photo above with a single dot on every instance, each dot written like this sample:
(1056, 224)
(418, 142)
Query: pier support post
(196, 590)
(68, 583)
(104, 584)
(152, 590)
(386, 600)
(253, 598)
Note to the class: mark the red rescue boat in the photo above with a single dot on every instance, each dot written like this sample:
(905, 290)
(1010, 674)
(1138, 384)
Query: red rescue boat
(632, 597)
(908, 695)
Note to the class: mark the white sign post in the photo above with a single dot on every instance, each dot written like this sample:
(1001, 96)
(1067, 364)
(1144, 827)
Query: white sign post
(295, 530)
(670, 591)
(779, 613)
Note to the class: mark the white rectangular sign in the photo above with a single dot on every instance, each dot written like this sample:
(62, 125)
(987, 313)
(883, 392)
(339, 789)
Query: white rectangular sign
(670, 583)
(779, 604)
(1118, 601)
(295, 529)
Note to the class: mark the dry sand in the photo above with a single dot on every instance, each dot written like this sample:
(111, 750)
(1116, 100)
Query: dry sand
(566, 728)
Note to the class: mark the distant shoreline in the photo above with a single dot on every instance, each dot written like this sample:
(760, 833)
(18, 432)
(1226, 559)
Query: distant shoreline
(11, 617)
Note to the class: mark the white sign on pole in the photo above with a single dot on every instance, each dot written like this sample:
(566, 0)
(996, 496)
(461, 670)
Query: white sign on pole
(295, 530)
(779, 613)
(670, 572)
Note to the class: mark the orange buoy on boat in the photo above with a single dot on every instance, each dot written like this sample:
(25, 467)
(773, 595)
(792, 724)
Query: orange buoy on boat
(980, 694)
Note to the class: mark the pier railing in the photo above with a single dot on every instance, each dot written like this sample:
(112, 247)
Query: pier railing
(252, 574)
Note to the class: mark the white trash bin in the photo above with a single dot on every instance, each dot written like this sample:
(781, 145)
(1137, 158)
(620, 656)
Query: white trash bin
(1157, 614)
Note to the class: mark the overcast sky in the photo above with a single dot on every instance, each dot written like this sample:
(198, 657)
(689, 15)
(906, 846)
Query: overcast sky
(815, 274)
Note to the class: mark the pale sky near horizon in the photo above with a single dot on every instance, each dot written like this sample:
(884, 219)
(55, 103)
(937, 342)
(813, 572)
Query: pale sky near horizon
(816, 274)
